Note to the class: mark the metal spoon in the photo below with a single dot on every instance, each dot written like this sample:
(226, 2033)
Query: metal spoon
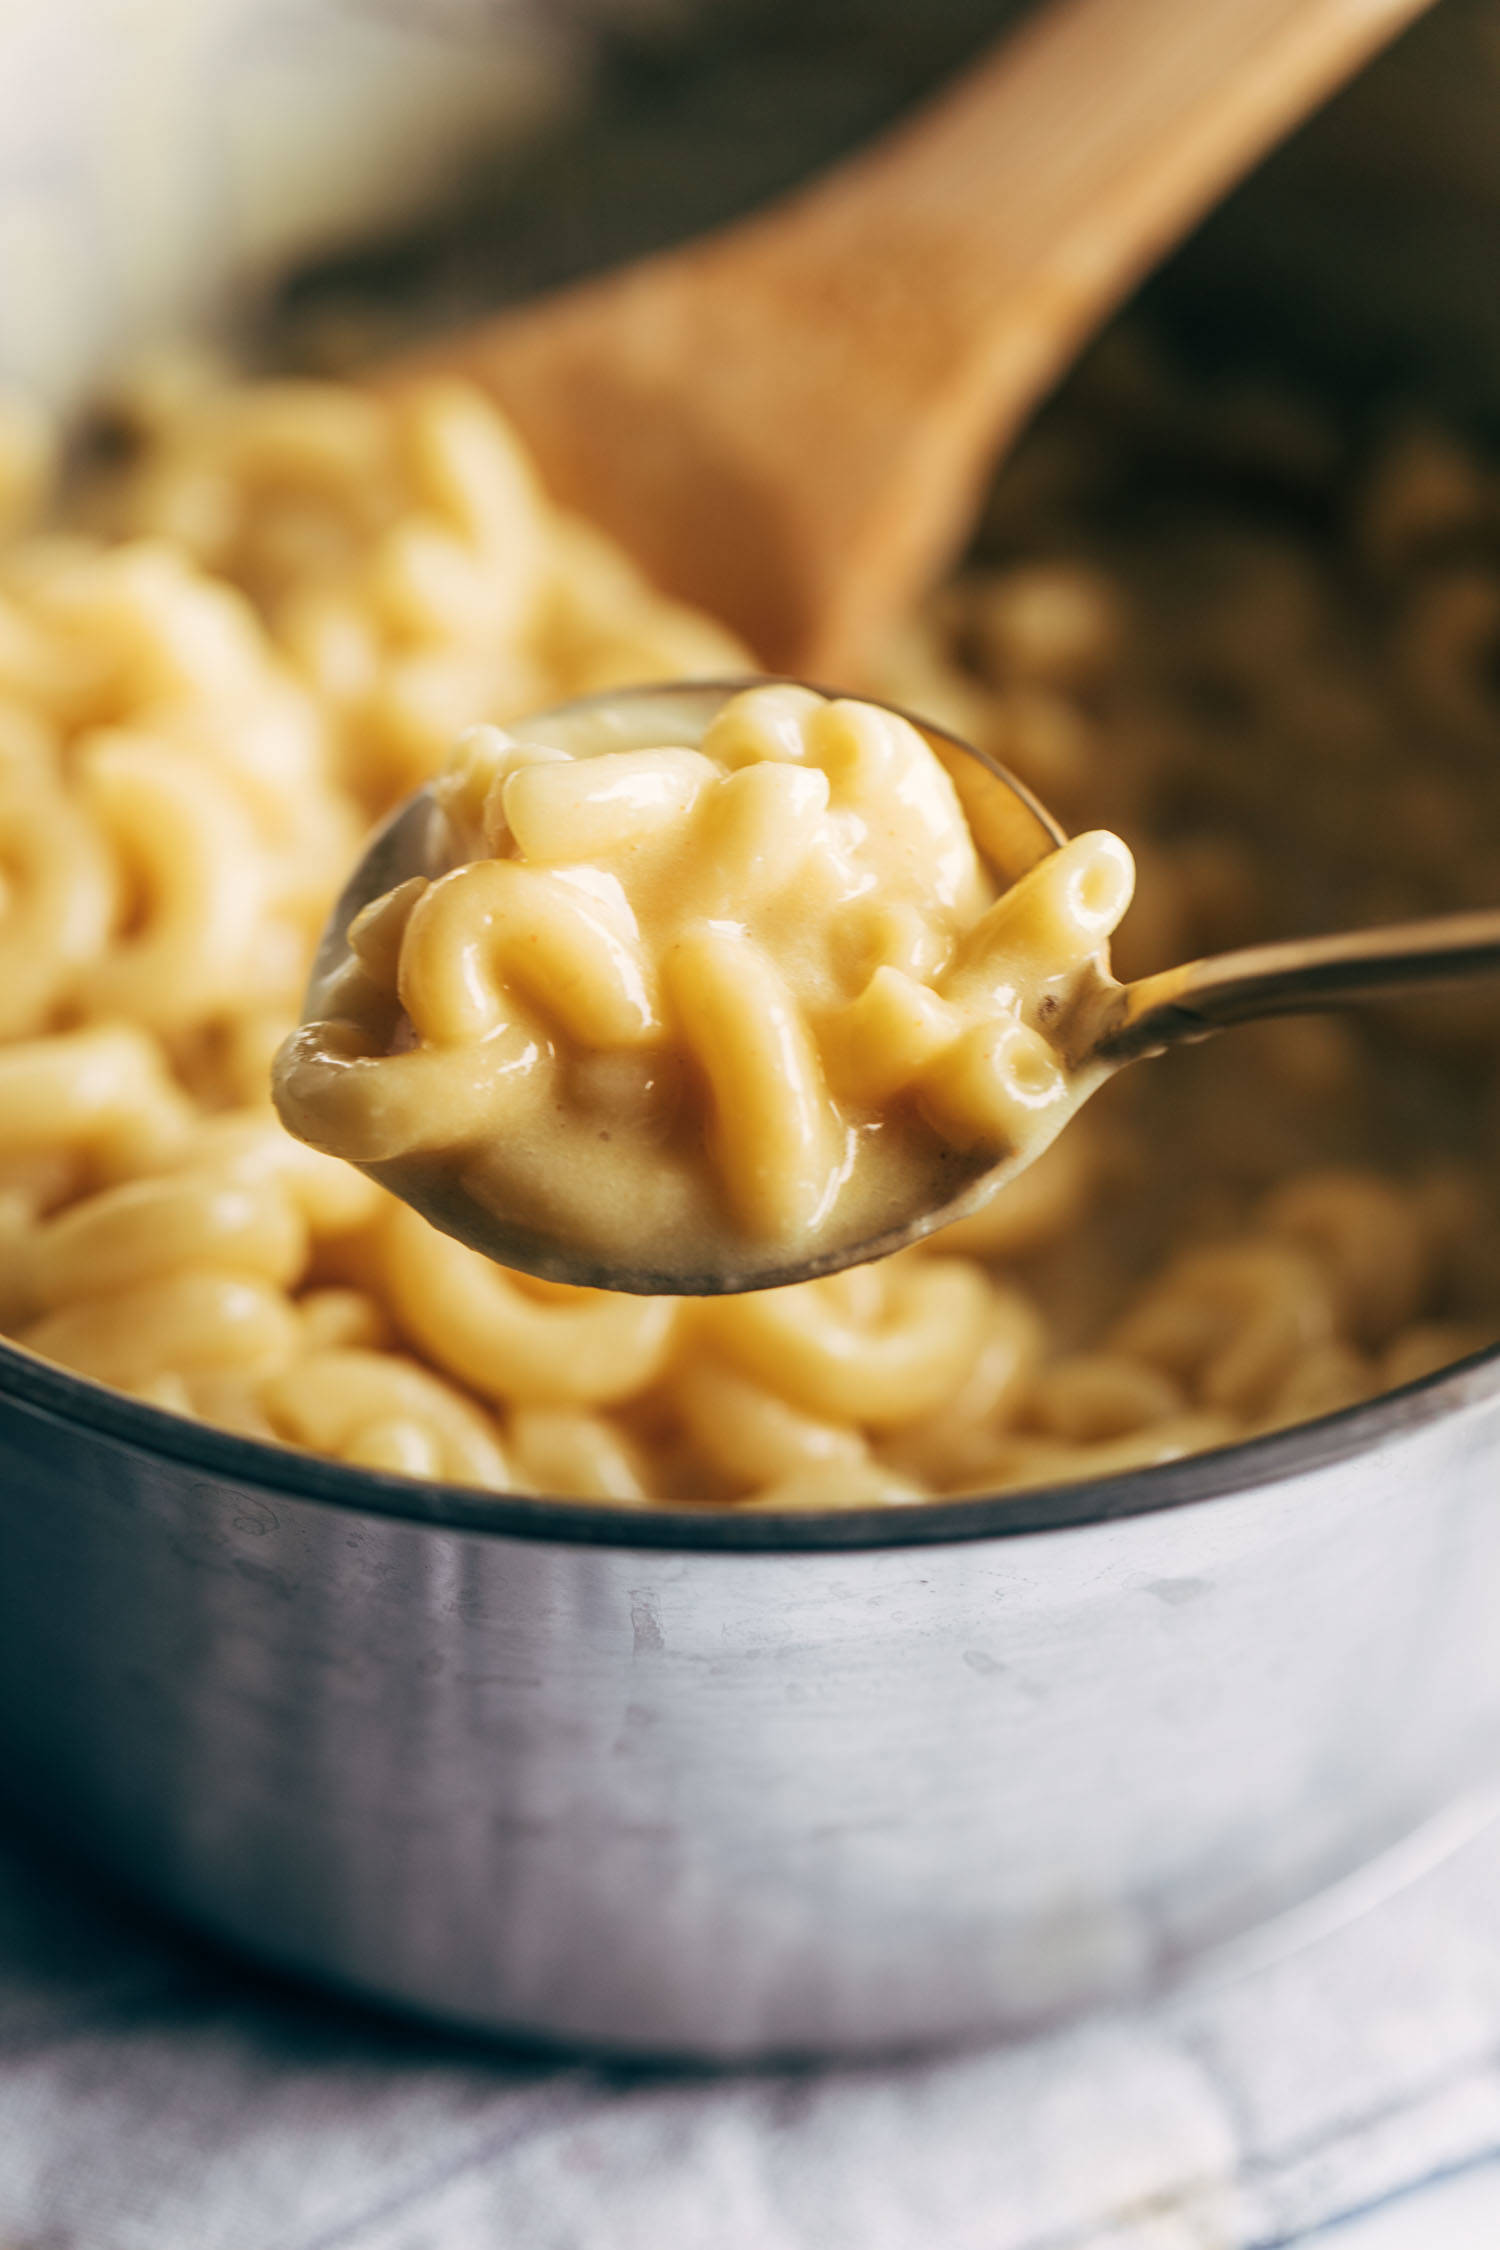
(1110, 1023)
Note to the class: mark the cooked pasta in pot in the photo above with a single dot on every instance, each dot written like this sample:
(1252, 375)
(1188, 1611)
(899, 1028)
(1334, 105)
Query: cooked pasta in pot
(223, 654)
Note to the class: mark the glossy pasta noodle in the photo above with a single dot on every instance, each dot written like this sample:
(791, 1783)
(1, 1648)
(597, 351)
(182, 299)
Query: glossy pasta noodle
(272, 613)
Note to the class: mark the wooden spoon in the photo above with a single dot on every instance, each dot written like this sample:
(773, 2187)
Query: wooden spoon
(790, 422)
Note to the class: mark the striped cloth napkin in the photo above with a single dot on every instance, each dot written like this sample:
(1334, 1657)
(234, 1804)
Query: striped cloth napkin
(154, 2094)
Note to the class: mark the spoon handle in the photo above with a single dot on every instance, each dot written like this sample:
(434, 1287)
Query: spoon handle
(1200, 997)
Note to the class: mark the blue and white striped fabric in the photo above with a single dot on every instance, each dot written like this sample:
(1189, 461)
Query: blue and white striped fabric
(154, 2094)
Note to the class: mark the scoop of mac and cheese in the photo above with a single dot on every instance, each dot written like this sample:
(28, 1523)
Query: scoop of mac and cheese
(693, 1008)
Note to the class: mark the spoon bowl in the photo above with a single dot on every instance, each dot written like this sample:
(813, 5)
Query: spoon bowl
(1012, 830)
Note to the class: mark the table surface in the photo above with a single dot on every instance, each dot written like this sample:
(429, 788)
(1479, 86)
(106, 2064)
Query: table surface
(1345, 2095)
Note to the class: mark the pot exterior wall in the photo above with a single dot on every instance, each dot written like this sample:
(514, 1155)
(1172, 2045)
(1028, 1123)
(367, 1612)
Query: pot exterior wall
(729, 1804)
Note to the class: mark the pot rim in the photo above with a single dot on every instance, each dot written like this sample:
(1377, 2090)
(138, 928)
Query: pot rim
(53, 1394)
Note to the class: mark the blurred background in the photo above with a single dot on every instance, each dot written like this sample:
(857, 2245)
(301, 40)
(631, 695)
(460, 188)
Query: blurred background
(163, 162)
(357, 167)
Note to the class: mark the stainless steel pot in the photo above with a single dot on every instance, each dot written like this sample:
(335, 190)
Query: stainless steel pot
(704, 1785)
(699, 1784)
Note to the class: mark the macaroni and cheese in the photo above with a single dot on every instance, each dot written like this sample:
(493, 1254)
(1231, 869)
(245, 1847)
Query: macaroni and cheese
(697, 1007)
(268, 610)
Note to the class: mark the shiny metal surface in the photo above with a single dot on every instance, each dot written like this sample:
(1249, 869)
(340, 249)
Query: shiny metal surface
(728, 1787)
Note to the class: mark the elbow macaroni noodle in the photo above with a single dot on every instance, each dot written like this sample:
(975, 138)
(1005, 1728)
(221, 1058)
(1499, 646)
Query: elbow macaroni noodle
(757, 991)
(267, 615)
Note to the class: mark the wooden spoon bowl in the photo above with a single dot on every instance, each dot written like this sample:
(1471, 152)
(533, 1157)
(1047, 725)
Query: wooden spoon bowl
(790, 422)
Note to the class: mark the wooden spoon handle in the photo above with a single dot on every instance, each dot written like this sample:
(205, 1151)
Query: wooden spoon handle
(958, 267)
(790, 421)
